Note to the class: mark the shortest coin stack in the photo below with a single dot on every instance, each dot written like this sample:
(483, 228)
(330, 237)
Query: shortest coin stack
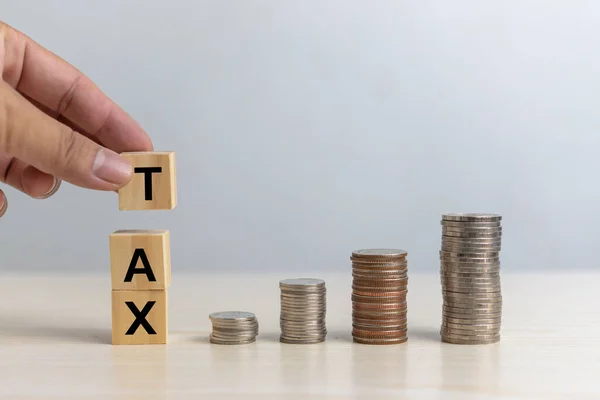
(303, 310)
(379, 288)
(233, 327)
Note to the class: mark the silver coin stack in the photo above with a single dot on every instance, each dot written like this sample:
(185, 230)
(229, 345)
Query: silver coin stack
(470, 277)
(233, 327)
(303, 311)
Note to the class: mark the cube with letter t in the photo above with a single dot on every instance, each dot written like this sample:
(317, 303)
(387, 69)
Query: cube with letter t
(153, 185)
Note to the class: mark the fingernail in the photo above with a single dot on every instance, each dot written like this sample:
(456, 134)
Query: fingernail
(3, 205)
(53, 189)
(111, 167)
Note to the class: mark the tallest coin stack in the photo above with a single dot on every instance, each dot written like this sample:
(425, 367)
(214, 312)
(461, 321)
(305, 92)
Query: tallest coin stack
(470, 277)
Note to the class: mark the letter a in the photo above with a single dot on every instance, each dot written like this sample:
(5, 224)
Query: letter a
(132, 270)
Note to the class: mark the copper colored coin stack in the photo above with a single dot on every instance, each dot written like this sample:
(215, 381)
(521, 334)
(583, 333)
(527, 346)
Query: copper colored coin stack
(379, 287)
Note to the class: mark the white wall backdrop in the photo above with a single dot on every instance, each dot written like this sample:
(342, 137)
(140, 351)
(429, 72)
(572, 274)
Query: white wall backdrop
(306, 129)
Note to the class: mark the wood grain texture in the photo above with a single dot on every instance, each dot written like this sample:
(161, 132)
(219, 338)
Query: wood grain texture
(124, 317)
(55, 343)
(147, 252)
(163, 196)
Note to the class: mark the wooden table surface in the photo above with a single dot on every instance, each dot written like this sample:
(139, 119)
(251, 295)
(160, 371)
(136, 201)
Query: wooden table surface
(55, 344)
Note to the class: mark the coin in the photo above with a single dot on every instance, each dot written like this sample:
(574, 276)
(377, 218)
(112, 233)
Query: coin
(471, 217)
(467, 341)
(474, 235)
(379, 253)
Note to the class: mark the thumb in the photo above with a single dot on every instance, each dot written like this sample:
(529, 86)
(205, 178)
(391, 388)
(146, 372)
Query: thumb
(37, 139)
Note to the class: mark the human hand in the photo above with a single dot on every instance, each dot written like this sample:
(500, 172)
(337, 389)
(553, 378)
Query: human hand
(56, 125)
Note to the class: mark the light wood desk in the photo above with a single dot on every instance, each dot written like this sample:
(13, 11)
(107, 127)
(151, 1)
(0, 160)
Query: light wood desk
(55, 344)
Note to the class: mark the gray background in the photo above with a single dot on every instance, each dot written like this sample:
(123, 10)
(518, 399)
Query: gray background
(306, 129)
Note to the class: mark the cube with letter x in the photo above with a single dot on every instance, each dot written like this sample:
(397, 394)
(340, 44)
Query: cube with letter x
(139, 317)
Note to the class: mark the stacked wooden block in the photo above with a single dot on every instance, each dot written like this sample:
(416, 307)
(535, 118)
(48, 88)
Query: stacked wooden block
(141, 259)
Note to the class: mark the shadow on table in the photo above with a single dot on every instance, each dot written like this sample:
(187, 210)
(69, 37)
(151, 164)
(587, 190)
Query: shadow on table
(13, 328)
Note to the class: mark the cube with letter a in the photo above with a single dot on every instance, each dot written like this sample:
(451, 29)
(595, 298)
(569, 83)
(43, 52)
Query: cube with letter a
(140, 259)
(139, 317)
(153, 185)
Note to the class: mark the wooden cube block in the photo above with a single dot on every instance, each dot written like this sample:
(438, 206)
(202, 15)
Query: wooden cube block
(139, 317)
(153, 185)
(140, 259)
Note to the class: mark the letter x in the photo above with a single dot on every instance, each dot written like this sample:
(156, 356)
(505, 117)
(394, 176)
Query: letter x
(140, 318)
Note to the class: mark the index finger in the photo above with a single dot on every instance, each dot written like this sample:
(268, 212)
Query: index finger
(59, 86)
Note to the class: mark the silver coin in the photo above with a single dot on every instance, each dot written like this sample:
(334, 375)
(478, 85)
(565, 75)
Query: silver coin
(465, 318)
(301, 341)
(301, 282)
(483, 271)
(471, 224)
(469, 267)
(234, 329)
(302, 316)
(462, 270)
(476, 286)
(464, 300)
(369, 253)
(460, 283)
(233, 321)
(470, 232)
(473, 329)
(303, 310)
(470, 306)
(448, 232)
(461, 319)
(226, 342)
(470, 288)
(445, 273)
(474, 217)
(463, 254)
(308, 301)
(303, 334)
(232, 315)
(469, 334)
(485, 283)
(450, 340)
(476, 296)
(472, 235)
(302, 324)
(468, 260)
(493, 241)
(451, 248)
(472, 312)
(249, 336)
(471, 248)
(471, 242)
(473, 307)
(470, 326)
